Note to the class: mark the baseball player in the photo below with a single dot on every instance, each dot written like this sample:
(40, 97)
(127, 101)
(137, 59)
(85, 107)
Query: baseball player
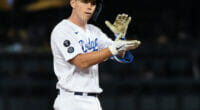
(78, 48)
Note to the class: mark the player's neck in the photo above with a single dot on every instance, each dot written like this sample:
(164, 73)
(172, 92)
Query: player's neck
(77, 21)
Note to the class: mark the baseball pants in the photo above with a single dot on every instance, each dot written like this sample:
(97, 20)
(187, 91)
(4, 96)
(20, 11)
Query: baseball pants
(69, 101)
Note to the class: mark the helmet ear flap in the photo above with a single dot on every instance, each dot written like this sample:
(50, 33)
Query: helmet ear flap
(98, 10)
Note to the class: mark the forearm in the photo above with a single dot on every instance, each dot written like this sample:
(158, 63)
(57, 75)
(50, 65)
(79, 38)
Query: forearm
(92, 58)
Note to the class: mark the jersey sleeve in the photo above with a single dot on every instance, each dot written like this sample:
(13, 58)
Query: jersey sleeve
(66, 45)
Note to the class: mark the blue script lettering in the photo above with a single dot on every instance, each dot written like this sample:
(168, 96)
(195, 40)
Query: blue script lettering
(90, 45)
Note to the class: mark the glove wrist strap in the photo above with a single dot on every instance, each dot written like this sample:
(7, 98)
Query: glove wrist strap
(113, 50)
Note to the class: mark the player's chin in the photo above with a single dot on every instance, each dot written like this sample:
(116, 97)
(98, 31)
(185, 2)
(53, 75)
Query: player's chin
(88, 15)
(87, 18)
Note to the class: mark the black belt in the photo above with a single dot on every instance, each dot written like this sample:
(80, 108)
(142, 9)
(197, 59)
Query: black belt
(82, 94)
(88, 94)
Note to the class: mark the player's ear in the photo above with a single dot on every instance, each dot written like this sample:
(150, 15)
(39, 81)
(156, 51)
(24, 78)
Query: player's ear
(72, 3)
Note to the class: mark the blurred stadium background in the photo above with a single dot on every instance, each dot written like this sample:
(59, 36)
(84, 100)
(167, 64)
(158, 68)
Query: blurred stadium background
(165, 74)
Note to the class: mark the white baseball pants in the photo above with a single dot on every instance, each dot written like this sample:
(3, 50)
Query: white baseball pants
(69, 101)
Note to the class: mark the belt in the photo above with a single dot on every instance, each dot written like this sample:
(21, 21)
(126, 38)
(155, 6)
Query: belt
(83, 94)
(86, 94)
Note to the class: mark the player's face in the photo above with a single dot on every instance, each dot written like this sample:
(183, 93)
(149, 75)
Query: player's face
(84, 9)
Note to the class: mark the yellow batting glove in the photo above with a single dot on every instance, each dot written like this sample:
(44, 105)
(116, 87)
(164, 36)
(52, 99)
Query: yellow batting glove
(120, 25)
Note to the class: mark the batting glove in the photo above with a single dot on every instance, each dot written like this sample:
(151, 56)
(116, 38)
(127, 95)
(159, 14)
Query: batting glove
(123, 45)
(120, 25)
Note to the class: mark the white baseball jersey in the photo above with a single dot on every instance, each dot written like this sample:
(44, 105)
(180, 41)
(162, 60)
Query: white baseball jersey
(67, 41)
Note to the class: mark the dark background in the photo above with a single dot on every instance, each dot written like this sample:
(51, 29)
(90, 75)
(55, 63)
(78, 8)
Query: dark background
(163, 76)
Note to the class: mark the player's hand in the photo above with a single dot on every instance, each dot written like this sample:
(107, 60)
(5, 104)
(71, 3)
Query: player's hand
(120, 25)
(121, 54)
(123, 45)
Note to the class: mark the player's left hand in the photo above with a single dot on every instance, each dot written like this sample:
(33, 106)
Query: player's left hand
(120, 24)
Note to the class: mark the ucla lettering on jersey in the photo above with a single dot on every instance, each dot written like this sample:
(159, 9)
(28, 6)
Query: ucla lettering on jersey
(90, 45)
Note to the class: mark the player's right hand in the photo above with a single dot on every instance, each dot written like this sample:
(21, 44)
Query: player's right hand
(123, 45)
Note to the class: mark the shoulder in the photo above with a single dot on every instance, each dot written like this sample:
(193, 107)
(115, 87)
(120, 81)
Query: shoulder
(97, 31)
(61, 26)
(94, 28)
(61, 29)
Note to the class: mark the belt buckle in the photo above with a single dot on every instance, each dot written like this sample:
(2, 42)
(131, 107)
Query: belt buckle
(85, 94)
